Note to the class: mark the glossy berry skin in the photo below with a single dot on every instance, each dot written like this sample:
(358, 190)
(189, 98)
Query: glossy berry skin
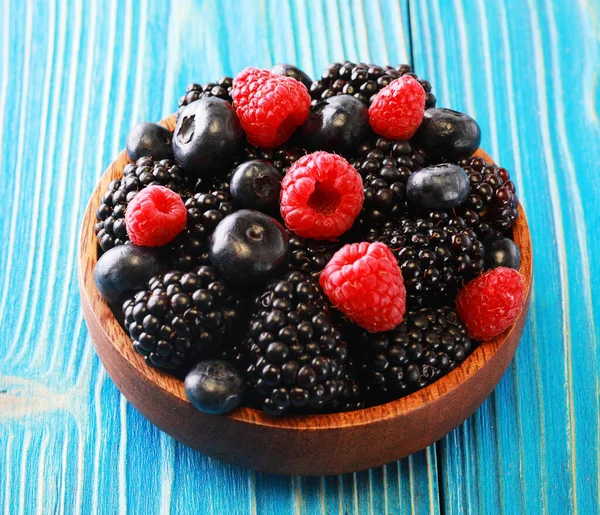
(289, 70)
(295, 354)
(363, 81)
(207, 137)
(397, 110)
(155, 216)
(269, 106)
(256, 185)
(124, 269)
(149, 140)
(181, 318)
(427, 344)
(442, 186)
(337, 124)
(214, 387)
(321, 196)
(248, 247)
(501, 251)
(204, 212)
(437, 253)
(493, 196)
(364, 282)
(491, 303)
(193, 92)
(448, 135)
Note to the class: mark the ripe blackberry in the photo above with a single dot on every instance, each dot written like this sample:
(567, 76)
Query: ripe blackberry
(437, 254)
(296, 355)
(493, 197)
(363, 81)
(220, 89)
(181, 318)
(204, 212)
(385, 167)
(356, 391)
(429, 343)
(110, 228)
(280, 157)
(310, 256)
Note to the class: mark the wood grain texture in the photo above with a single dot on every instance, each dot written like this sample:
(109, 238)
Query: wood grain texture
(294, 445)
(75, 76)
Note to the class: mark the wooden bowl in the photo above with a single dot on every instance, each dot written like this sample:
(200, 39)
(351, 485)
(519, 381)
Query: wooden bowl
(294, 445)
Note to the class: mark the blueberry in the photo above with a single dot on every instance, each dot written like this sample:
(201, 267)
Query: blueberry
(289, 70)
(256, 185)
(207, 136)
(445, 134)
(214, 387)
(247, 247)
(501, 251)
(337, 124)
(125, 269)
(149, 140)
(441, 186)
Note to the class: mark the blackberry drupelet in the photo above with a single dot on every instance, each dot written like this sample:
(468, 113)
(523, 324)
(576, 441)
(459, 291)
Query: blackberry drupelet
(437, 254)
(385, 167)
(429, 343)
(363, 81)
(356, 392)
(310, 256)
(296, 354)
(220, 89)
(204, 212)
(493, 197)
(181, 318)
(110, 229)
(280, 157)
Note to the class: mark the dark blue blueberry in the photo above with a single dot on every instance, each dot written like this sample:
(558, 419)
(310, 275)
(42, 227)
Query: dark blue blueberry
(501, 251)
(337, 124)
(207, 137)
(214, 387)
(124, 269)
(256, 185)
(149, 140)
(445, 134)
(248, 247)
(442, 186)
(289, 70)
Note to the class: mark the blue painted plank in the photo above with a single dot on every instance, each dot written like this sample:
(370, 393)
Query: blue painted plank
(533, 446)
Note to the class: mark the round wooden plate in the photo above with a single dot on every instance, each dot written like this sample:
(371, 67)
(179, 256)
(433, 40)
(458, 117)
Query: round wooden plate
(294, 445)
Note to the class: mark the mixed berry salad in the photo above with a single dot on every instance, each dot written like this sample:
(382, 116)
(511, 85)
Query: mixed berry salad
(301, 246)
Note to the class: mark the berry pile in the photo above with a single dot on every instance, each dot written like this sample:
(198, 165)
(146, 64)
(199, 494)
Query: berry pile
(363, 81)
(309, 246)
(220, 89)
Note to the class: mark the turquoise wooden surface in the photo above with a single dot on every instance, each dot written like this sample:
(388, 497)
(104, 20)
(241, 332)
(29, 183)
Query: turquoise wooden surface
(75, 75)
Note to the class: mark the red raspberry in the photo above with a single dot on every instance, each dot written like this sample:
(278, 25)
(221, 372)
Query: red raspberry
(364, 282)
(155, 216)
(269, 106)
(321, 196)
(491, 303)
(397, 110)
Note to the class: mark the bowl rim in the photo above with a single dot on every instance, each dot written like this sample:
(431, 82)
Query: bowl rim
(174, 387)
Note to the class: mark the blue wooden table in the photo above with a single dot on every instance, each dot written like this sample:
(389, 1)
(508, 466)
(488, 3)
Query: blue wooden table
(75, 75)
